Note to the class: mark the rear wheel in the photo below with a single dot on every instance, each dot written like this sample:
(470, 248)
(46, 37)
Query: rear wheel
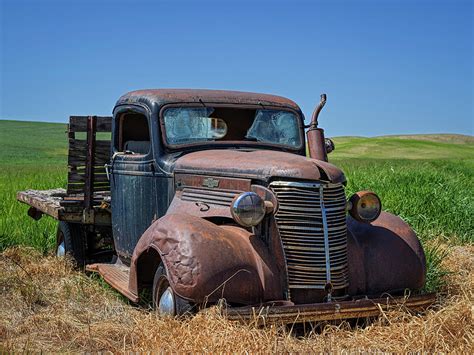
(70, 240)
(165, 300)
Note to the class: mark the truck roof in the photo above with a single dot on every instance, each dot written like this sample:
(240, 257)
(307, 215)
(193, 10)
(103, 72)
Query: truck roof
(161, 97)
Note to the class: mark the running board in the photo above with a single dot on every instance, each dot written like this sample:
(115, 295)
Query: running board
(116, 275)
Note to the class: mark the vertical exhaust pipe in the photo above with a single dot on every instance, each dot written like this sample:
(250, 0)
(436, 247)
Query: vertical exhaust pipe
(315, 135)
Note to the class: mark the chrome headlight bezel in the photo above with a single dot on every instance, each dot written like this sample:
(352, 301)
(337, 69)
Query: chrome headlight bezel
(248, 209)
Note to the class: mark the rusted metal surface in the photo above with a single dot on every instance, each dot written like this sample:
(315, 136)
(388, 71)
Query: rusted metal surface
(161, 97)
(315, 135)
(206, 262)
(199, 208)
(317, 111)
(316, 144)
(363, 308)
(117, 276)
(256, 164)
(384, 256)
(211, 182)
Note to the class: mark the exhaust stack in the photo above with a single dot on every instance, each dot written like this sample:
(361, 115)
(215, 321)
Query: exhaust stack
(315, 135)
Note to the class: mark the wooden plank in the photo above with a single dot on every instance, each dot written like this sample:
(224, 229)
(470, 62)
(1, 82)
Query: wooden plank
(81, 144)
(74, 190)
(79, 124)
(77, 174)
(96, 167)
(77, 200)
(78, 188)
(81, 160)
(80, 156)
(73, 161)
(102, 218)
(45, 201)
(78, 177)
(82, 153)
(73, 205)
(79, 184)
(80, 169)
(78, 191)
(49, 202)
(73, 202)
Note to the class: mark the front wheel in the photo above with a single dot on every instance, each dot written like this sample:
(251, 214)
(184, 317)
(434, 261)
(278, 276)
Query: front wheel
(70, 240)
(165, 300)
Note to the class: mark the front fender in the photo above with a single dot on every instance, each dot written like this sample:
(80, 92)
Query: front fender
(384, 256)
(206, 262)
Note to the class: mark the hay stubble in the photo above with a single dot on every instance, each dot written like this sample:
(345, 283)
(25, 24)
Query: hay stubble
(48, 306)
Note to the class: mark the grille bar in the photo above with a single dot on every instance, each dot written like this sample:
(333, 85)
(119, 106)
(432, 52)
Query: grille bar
(312, 223)
(216, 197)
(326, 234)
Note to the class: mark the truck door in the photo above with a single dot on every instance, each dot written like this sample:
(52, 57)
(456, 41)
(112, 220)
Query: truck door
(132, 180)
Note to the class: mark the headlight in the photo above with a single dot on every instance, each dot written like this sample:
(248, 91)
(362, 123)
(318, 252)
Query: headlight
(365, 206)
(248, 209)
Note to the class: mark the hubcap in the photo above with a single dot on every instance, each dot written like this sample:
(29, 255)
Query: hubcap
(61, 250)
(166, 303)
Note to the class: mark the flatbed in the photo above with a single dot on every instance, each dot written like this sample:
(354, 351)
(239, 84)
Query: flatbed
(63, 207)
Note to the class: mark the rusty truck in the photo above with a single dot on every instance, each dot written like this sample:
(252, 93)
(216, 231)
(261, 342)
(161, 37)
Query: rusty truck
(200, 195)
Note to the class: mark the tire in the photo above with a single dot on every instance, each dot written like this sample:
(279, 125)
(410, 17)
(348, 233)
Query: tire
(165, 300)
(71, 241)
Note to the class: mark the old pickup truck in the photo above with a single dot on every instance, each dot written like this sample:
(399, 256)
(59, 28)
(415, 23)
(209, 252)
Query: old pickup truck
(201, 195)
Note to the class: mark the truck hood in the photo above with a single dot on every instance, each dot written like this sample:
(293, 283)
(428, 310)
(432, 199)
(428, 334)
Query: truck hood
(257, 164)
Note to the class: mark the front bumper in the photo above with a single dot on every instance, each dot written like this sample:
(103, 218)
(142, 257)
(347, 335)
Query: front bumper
(362, 308)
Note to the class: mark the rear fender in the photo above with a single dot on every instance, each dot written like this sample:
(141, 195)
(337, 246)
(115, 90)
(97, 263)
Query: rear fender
(384, 256)
(206, 262)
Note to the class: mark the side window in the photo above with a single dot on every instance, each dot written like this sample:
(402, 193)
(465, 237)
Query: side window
(133, 134)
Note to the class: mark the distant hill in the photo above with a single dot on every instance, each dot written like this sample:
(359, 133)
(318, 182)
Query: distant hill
(434, 137)
(34, 142)
(414, 146)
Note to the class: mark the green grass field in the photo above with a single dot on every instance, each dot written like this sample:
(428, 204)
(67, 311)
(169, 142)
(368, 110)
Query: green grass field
(428, 180)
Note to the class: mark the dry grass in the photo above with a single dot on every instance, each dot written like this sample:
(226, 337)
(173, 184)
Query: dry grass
(47, 306)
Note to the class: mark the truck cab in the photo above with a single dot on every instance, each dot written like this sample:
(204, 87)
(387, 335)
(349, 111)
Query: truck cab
(153, 130)
(211, 195)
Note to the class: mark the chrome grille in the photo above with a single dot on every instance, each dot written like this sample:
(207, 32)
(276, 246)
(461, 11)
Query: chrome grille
(311, 219)
(212, 196)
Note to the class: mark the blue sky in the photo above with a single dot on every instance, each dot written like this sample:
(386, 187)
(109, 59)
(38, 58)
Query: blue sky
(388, 67)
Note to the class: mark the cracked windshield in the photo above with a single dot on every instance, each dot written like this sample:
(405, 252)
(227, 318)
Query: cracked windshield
(188, 125)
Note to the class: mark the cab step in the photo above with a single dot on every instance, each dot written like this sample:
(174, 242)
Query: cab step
(116, 275)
